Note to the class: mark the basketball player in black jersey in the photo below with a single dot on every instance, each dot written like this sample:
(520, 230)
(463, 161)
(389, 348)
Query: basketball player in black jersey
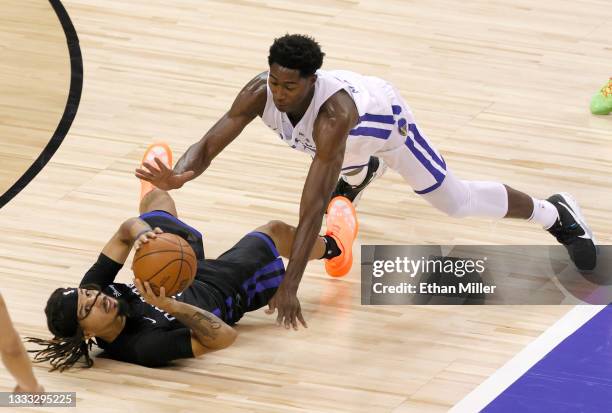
(133, 324)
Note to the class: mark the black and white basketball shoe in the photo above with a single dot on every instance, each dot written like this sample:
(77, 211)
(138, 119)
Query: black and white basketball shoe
(571, 230)
(376, 168)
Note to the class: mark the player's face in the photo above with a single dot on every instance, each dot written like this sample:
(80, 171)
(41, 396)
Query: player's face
(95, 310)
(289, 89)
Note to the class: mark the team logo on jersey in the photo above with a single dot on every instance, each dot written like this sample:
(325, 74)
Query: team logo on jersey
(402, 127)
(116, 293)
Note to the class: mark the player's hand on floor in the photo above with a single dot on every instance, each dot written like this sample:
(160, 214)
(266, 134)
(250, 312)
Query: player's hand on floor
(161, 176)
(144, 238)
(158, 300)
(288, 307)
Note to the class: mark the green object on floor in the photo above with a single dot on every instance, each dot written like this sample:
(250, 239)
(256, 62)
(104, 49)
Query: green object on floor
(601, 102)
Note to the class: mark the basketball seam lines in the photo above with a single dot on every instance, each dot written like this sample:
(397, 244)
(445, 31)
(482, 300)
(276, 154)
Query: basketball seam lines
(179, 242)
(163, 268)
(176, 279)
(152, 252)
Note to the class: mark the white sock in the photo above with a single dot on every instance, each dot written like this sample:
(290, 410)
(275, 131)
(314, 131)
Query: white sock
(357, 178)
(544, 213)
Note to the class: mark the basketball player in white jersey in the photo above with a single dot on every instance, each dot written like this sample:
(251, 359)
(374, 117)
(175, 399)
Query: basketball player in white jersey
(355, 126)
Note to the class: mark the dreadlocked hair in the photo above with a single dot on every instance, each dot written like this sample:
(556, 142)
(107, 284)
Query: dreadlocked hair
(68, 345)
(63, 353)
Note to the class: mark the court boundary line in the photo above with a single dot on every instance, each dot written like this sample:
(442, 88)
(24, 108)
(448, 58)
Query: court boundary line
(516, 367)
(70, 110)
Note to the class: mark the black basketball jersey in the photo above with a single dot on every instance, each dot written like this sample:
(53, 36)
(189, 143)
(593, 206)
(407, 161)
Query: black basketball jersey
(242, 279)
(151, 336)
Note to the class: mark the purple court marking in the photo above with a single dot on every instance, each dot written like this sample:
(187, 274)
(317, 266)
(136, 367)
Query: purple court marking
(576, 376)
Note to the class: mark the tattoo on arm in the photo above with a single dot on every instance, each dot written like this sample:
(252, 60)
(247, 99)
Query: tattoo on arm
(205, 325)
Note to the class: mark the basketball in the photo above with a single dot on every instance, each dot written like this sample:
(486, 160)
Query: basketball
(167, 261)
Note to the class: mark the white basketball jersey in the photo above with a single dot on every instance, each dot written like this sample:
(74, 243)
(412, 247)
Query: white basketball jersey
(386, 129)
(373, 98)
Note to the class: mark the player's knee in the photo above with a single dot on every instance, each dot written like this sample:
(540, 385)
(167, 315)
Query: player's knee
(453, 198)
(454, 208)
(276, 228)
(278, 231)
(157, 199)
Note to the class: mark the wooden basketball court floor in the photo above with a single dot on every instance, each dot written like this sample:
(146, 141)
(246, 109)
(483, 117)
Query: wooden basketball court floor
(501, 87)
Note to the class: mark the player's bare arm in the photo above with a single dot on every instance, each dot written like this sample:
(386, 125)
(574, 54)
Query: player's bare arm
(249, 103)
(208, 331)
(133, 232)
(336, 118)
(14, 355)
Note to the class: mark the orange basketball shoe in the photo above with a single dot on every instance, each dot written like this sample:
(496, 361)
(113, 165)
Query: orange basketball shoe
(159, 150)
(342, 226)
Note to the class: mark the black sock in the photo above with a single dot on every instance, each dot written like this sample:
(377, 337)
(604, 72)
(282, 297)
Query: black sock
(331, 248)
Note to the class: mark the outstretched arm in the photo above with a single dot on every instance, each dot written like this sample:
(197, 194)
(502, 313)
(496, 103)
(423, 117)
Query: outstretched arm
(249, 103)
(336, 118)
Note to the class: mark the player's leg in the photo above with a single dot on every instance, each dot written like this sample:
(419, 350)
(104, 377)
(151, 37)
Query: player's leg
(560, 214)
(151, 197)
(283, 234)
(425, 170)
(355, 178)
(157, 207)
(460, 198)
(335, 247)
(157, 200)
(253, 266)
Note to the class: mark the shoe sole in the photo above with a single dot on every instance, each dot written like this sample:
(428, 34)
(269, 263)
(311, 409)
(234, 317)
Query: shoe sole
(332, 271)
(351, 206)
(153, 145)
(571, 202)
(147, 187)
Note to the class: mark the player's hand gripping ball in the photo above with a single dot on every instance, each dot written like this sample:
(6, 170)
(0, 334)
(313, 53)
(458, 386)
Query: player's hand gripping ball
(164, 260)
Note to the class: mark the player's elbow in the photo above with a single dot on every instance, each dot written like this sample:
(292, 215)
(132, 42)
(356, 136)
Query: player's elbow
(226, 339)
